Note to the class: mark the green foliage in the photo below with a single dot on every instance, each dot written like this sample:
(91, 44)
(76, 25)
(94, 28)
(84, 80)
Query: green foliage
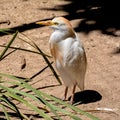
(16, 90)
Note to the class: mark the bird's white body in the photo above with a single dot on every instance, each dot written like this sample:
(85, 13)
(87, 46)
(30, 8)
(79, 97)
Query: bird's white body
(70, 58)
(68, 52)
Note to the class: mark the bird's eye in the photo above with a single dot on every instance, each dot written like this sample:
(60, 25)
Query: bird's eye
(55, 23)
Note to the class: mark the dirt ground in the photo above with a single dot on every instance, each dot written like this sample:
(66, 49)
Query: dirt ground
(98, 28)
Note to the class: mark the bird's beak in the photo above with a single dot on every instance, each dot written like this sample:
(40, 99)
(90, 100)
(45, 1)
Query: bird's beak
(46, 23)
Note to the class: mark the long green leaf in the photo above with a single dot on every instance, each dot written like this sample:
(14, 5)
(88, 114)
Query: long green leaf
(14, 106)
(27, 103)
(39, 94)
(24, 84)
(31, 43)
(6, 30)
(66, 112)
(11, 107)
(48, 62)
(76, 118)
(72, 107)
(15, 91)
(41, 98)
(26, 50)
(8, 45)
(11, 93)
(5, 112)
(63, 103)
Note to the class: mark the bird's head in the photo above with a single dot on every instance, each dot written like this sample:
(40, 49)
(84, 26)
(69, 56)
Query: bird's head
(58, 23)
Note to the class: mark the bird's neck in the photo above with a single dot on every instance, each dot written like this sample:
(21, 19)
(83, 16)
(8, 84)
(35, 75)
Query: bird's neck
(58, 36)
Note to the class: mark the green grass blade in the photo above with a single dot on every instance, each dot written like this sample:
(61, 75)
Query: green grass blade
(9, 105)
(5, 112)
(13, 106)
(26, 50)
(27, 103)
(26, 85)
(15, 91)
(8, 54)
(30, 43)
(76, 118)
(8, 45)
(6, 30)
(39, 94)
(19, 93)
(11, 93)
(50, 106)
(48, 62)
(71, 106)
(66, 112)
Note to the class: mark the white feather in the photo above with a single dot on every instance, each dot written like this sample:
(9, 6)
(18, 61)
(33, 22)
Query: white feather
(72, 66)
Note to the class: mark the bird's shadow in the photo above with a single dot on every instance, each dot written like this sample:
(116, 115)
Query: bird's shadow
(86, 96)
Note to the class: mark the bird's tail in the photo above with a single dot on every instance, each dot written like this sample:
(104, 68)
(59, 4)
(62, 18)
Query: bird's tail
(81, 84)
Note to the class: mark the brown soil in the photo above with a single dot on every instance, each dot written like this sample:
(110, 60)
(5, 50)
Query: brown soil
(99, 31)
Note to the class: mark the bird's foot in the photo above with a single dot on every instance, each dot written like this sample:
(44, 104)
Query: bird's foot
(64, 99)
(71, 101)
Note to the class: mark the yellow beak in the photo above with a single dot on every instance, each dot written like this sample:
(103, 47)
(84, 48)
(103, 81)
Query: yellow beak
(46, 23)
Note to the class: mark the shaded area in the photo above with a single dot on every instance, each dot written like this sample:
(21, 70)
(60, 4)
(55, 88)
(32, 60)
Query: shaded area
(116, 51)
(86, 96)
(22, 28)
(93, 14)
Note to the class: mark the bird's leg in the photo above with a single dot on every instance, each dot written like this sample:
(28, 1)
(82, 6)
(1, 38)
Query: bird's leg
(65, 94)
(73, 93)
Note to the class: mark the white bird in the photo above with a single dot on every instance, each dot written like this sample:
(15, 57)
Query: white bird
(68, 53)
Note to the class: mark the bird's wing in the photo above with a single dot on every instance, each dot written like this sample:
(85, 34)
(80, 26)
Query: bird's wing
(76, 64)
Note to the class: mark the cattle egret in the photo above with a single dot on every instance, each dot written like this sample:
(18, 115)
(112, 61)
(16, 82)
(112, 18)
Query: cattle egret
(68, 53)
